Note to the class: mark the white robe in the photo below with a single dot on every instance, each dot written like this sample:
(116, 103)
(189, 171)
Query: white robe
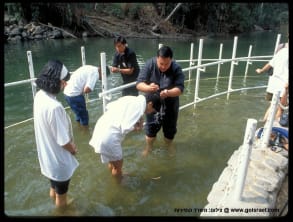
(114, 124)
(52, 131)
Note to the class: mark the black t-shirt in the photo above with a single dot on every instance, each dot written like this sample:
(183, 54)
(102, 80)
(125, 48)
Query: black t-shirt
(127, 60)
(173, 77)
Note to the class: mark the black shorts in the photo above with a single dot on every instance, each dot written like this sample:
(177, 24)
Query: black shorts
(60, 187)
(168, 121)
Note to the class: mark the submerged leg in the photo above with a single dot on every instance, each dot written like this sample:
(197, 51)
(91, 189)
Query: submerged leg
(170, 146)
(149, 145)
(116, 169)
(52, 193)
(61, 200)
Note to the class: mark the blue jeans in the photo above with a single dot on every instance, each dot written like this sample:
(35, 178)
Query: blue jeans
(78, 106)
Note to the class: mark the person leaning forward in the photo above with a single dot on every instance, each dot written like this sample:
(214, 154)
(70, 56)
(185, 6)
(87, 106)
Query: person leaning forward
(162, 74)
(82, 82)
(121, 117)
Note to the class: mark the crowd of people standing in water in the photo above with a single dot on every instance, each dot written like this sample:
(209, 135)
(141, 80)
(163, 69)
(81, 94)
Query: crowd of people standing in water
(152, 104)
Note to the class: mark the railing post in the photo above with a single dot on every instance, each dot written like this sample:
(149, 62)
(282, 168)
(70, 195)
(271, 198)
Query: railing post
(220, 57)
(198, 71)
(232, 66)
(244, 155)
(32, 73)
(83, 63)
(270, 120)
(190, 60)
(277, 43)
(248, 61)
(104, 79)
(82, 55)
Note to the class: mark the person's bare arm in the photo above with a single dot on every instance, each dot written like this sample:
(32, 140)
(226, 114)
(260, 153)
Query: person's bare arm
(263, 69)
(143, 87)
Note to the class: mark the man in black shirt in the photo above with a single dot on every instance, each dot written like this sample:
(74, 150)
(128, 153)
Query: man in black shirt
(125, 62)
(165, 76)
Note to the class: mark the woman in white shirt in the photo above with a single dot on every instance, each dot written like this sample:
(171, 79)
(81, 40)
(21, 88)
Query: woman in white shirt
(53, 131)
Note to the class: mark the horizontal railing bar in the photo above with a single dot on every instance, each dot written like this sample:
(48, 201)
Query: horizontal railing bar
(180, 108)
(186, 69)
(219, 94)
(19, 82)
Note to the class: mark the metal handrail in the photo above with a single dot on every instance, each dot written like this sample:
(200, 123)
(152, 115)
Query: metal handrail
(200, 67)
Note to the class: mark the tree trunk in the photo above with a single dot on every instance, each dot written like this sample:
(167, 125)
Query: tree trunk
(54, 27)
(154, 28)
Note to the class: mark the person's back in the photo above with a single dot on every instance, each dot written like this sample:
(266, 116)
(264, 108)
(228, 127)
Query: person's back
(121, 115)
(82, 81)
(86, 75)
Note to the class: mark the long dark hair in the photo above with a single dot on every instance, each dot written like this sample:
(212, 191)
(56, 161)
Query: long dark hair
(49, 77)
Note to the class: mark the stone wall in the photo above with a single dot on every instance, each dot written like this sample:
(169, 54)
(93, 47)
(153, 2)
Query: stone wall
(267, 169)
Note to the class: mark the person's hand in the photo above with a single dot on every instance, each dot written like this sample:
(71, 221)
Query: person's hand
(164, 93)
(154, 87)
(139, 125)
(73, 149)
(115, 69)
(259, 71)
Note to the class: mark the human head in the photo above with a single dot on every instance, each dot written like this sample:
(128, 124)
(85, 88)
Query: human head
(120, 44)
(164, 58)
(153, 101)
(53, 76)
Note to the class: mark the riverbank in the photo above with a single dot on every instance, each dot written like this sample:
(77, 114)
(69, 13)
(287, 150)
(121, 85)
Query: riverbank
(97, 26)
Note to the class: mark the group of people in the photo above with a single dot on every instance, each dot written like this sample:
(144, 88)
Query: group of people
(160, 83)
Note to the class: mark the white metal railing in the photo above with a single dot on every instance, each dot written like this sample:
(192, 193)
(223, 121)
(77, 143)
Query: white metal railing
(199, 67)
(244, 158)
(270, 120)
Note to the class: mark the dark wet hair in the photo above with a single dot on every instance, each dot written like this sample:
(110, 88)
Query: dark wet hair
(49, 77)
(165, 52)
(120, 39)
(155, 99)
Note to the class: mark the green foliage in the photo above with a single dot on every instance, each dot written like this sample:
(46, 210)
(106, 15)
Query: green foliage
(14, 10)
(214, 17)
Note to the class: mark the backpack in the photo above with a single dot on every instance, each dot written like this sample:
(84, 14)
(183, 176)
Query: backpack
(279, 136)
